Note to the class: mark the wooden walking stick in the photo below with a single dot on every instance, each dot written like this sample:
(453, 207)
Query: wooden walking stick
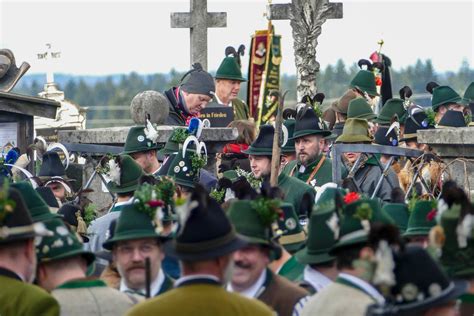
(277, 140)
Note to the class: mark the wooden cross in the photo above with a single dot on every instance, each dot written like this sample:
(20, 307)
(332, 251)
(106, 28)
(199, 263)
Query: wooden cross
(48, 56)
(198, 21)
(306, 18)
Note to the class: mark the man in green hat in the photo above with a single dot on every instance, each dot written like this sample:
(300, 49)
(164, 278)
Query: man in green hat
(18, 260)
(206, 259)
(137, 236)
(444, 99)
(228, 79)
(422, 219)
(62, 270)
(311, 165)
(291, 240)
(142, 147)
(257, 220)
(368, 173)
(360, 108)
(192, 95)
(363, 84)
(391, 108)
(323, 231)
(260, 157)
(124, 174)
(364, 231)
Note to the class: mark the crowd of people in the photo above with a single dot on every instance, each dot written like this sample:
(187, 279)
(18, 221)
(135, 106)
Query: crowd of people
(393, 236)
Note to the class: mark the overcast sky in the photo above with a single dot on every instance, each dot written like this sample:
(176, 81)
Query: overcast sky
(109, 37)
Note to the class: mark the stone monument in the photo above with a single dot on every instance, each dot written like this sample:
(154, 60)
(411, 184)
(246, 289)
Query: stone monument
(306, 20)
(198, 21)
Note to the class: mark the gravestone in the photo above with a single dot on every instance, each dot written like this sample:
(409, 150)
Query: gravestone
(306, 20)
(198, 21)
(455, 146)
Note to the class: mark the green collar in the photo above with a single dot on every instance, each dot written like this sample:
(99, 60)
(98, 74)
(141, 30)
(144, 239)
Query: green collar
(467, 298)
(167, 285)
(82, 283)
(289, 265)
(117, 208)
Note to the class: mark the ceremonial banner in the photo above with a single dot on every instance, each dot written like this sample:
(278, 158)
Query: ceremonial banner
(264, 74)
(258, 56)
(270, 81)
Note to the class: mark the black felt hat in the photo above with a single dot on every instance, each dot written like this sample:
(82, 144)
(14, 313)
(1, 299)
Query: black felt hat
(415, 122)
(48, 196)
(414, 293)
(52, 166)
(308, 123)
(68, 211)
(263, 145)
(15, 220)
(385, 137)
(452, 119)
(205, 231)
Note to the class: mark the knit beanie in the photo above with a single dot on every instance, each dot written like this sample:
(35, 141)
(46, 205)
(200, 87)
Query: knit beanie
(198, 81)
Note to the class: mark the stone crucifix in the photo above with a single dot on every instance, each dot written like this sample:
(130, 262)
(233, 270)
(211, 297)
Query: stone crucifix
(306, 19)
(198, 21)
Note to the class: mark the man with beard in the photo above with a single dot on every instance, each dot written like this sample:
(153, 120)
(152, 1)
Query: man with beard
(204, 246)
(311, 165)
(135, 239)
(256, 220)
(228, 79)
(260, 157)
(18, 261)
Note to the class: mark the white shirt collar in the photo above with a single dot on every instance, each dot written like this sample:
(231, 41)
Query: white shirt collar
(316, 278)
(368, 288)
(186, 278)
(154, 288)
(252, 291)
(220, 102)
(129, 201)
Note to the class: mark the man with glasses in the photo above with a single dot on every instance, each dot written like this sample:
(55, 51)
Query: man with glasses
(135, 239)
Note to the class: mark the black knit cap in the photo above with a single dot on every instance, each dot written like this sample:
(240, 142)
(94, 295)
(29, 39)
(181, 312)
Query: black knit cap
(207, 233)
(198, 81)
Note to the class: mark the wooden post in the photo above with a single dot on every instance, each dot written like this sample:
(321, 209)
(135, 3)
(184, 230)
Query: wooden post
(276, 150)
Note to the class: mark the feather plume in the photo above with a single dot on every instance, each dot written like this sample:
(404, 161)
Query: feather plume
(61, 147)
(114, 171)
(285, 135)
(318, 98)
(150, 132)
(405, 93)
(430, 86)
(394, 126)
(364, 62)
(464, 230)
(189, 140)
(28, 175)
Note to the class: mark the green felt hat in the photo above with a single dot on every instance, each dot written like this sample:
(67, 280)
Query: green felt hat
(293, 238)
(289, 147)
(263, 144)
(15, 220)
(322, 235)
(137, 141)
(37, 207)
(420, 222)
(452, 119)
(182, 170)
(177, 138)
(230, 174)
(248, 223)
(399, 213)
(443, 95)
(61, 244)
(309, 123)
(130, 173)
(133, 223)
(457, 253)
(364, 80)
(357, 216)
(390, 108)
(355, 131)
(230, 70)
(360, 108)
(469, 94)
